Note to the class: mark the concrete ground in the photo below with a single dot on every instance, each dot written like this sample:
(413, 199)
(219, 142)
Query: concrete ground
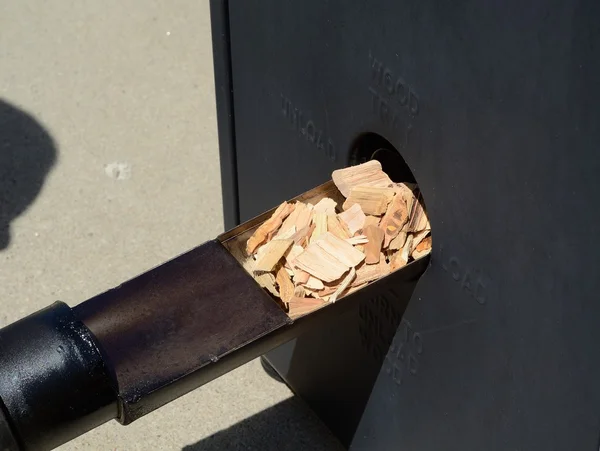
(108, 167)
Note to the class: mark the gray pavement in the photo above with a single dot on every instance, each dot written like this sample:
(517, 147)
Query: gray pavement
(108, 167)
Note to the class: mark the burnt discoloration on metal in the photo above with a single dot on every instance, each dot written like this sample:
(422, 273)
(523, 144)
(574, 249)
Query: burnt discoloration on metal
(162, 331)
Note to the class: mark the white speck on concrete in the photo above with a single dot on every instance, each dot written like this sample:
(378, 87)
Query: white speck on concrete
(118, 171)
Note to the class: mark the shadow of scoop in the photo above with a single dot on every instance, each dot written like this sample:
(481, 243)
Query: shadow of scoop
(27, 153)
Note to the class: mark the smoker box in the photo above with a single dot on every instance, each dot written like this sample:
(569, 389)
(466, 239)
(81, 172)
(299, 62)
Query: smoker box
(493, 108)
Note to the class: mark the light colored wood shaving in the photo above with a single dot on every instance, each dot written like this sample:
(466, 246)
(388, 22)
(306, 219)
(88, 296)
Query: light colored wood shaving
(301, 306)
(300, 277)
(422, 249)
(285, 234)
(398, 243)
(285, 284)
(366, 174)
(326, 205)
(345, 284)
(314, 284)
(353, 218)
(273, 252)
(268, 228)
(294, 251)
(320, 223)
(340, 249)
(367, 273)
(418, 219)
(320, 264)
(299, 291)
(373, 200)
(372, 220)
(418, 237)
(300, 217)
(358, 239)
(395, 217)
(335, 226)
(301, 236)
(373, 248)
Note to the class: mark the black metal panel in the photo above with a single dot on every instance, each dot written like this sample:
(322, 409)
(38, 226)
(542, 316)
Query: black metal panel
(494, 107)
(219, 15)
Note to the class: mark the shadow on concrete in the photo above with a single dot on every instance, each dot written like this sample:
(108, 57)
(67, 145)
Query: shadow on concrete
(27, 153)
(287, 426)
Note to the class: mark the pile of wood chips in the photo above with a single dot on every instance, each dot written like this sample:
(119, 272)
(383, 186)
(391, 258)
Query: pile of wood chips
(308, 255)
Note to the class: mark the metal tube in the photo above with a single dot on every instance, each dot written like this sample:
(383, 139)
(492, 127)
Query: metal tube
(54, 385)
(166, 331)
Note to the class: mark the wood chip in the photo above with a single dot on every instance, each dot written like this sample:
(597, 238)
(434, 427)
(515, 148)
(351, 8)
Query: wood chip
(313, 293)
(353, 218)
(367, 273)
(314, 284)
(398, 242)
(273, 252)
(299, 218)
(328, 290)
(358, 239)
(373, 248)
(407, 190)
(320, 264)
(384, 266)
(286, 287)
(397, 261)
(373, 200)
(418, 219)
(406, 251)
(266, 280)
(345, 284)
(326, 205)
(301, 306)
(320, 223)
(394, 219)
(418, 237)
(372, 220)
(340, 249)
(400, 259)
(268, 228)
(367, 174)
(294, 251)
(423, 248)
(299, 291)
(335, 226)
(285, 234)
(301, 236)
(300, 277)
